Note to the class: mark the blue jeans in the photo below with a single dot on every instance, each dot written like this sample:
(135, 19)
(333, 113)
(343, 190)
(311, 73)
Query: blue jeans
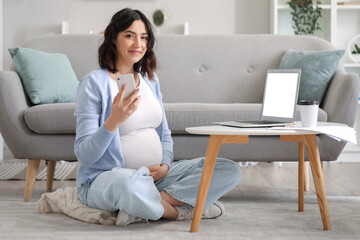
(135, 192)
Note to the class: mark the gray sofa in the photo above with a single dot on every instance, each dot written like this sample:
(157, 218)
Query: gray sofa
(203, 79)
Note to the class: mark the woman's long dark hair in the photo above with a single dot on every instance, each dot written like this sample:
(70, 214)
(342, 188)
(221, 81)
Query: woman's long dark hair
(119, 23)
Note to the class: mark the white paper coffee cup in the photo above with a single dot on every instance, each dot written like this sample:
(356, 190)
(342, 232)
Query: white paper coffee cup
(308, 113)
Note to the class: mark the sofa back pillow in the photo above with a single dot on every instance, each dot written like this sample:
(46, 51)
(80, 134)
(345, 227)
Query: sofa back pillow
(46, 77)
(317, 70)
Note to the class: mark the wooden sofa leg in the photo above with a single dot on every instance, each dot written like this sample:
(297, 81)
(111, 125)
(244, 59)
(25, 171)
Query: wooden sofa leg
(50, 175)
(306, 176)
(31, 172)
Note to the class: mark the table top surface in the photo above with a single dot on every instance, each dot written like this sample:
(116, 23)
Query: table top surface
(224, 130)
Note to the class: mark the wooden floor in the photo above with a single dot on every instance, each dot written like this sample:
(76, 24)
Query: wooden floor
(261, 180)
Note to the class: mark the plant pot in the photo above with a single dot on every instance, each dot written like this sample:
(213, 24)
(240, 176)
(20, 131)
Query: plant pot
(355, 57)
(301, 2)
(350, 48)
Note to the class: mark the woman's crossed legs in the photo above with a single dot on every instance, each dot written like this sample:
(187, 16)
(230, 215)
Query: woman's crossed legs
(134, 191)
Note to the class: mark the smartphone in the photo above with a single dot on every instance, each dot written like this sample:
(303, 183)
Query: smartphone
(129, 81)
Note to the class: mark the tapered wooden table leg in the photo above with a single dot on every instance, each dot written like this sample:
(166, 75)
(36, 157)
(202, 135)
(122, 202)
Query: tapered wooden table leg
(208, 169)
(301, 177)
(314, 158)
(301, 168)
(306, 177)
(213, 148)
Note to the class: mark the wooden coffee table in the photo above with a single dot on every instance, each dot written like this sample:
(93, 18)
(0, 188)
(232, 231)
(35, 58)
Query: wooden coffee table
(221, 134)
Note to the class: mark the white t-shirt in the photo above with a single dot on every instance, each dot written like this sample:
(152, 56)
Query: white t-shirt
(140, 143)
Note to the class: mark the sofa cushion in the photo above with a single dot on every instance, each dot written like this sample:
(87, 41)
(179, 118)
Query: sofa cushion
(59, 118)
(317, 70)
(51, 118)
(183, 115)
(47, 77)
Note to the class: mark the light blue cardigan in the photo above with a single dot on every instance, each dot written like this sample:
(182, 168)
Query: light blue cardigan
(96, 148)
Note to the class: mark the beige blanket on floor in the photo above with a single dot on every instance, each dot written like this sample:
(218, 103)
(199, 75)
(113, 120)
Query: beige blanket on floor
(67, 201)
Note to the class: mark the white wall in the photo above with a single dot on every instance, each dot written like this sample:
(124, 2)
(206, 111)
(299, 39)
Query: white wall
(27, 19)
(1, 68)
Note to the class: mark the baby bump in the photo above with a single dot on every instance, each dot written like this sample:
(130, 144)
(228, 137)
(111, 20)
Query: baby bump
(141, 148)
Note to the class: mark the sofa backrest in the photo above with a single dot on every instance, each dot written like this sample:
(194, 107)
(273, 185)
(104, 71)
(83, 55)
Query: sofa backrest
(197, 68)
(223, 69)
(81, 49)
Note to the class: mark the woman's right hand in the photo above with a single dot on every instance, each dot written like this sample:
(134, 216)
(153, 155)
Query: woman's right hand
(121, 109)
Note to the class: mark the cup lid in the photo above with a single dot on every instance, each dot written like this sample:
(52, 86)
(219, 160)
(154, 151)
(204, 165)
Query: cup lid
(308, 102)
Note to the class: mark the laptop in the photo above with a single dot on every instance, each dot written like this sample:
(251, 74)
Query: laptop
(279, 100)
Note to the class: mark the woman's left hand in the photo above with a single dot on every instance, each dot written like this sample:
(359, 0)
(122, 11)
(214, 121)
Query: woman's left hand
(158, 172)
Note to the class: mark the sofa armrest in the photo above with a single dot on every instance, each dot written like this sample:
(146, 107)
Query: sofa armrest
(12, 92)
(13, 103)
(341, 99)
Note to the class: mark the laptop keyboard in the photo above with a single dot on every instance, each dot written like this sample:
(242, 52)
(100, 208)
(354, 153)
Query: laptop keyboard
(259, 122)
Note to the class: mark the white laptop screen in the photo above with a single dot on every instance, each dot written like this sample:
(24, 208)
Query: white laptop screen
(280, 94)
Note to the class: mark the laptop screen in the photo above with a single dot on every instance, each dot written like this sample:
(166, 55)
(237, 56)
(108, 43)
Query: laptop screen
(280, 94)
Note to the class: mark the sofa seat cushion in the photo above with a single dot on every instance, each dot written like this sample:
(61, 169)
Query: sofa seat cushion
(183, 115)
(55, 118)
(59, 118)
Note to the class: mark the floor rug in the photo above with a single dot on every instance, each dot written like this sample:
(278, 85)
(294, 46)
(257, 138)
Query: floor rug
(15, 169)
(245, 218)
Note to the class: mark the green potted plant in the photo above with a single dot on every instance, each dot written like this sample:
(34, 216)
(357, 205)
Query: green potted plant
(305, 16)
(356, 53)
(158, 17)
